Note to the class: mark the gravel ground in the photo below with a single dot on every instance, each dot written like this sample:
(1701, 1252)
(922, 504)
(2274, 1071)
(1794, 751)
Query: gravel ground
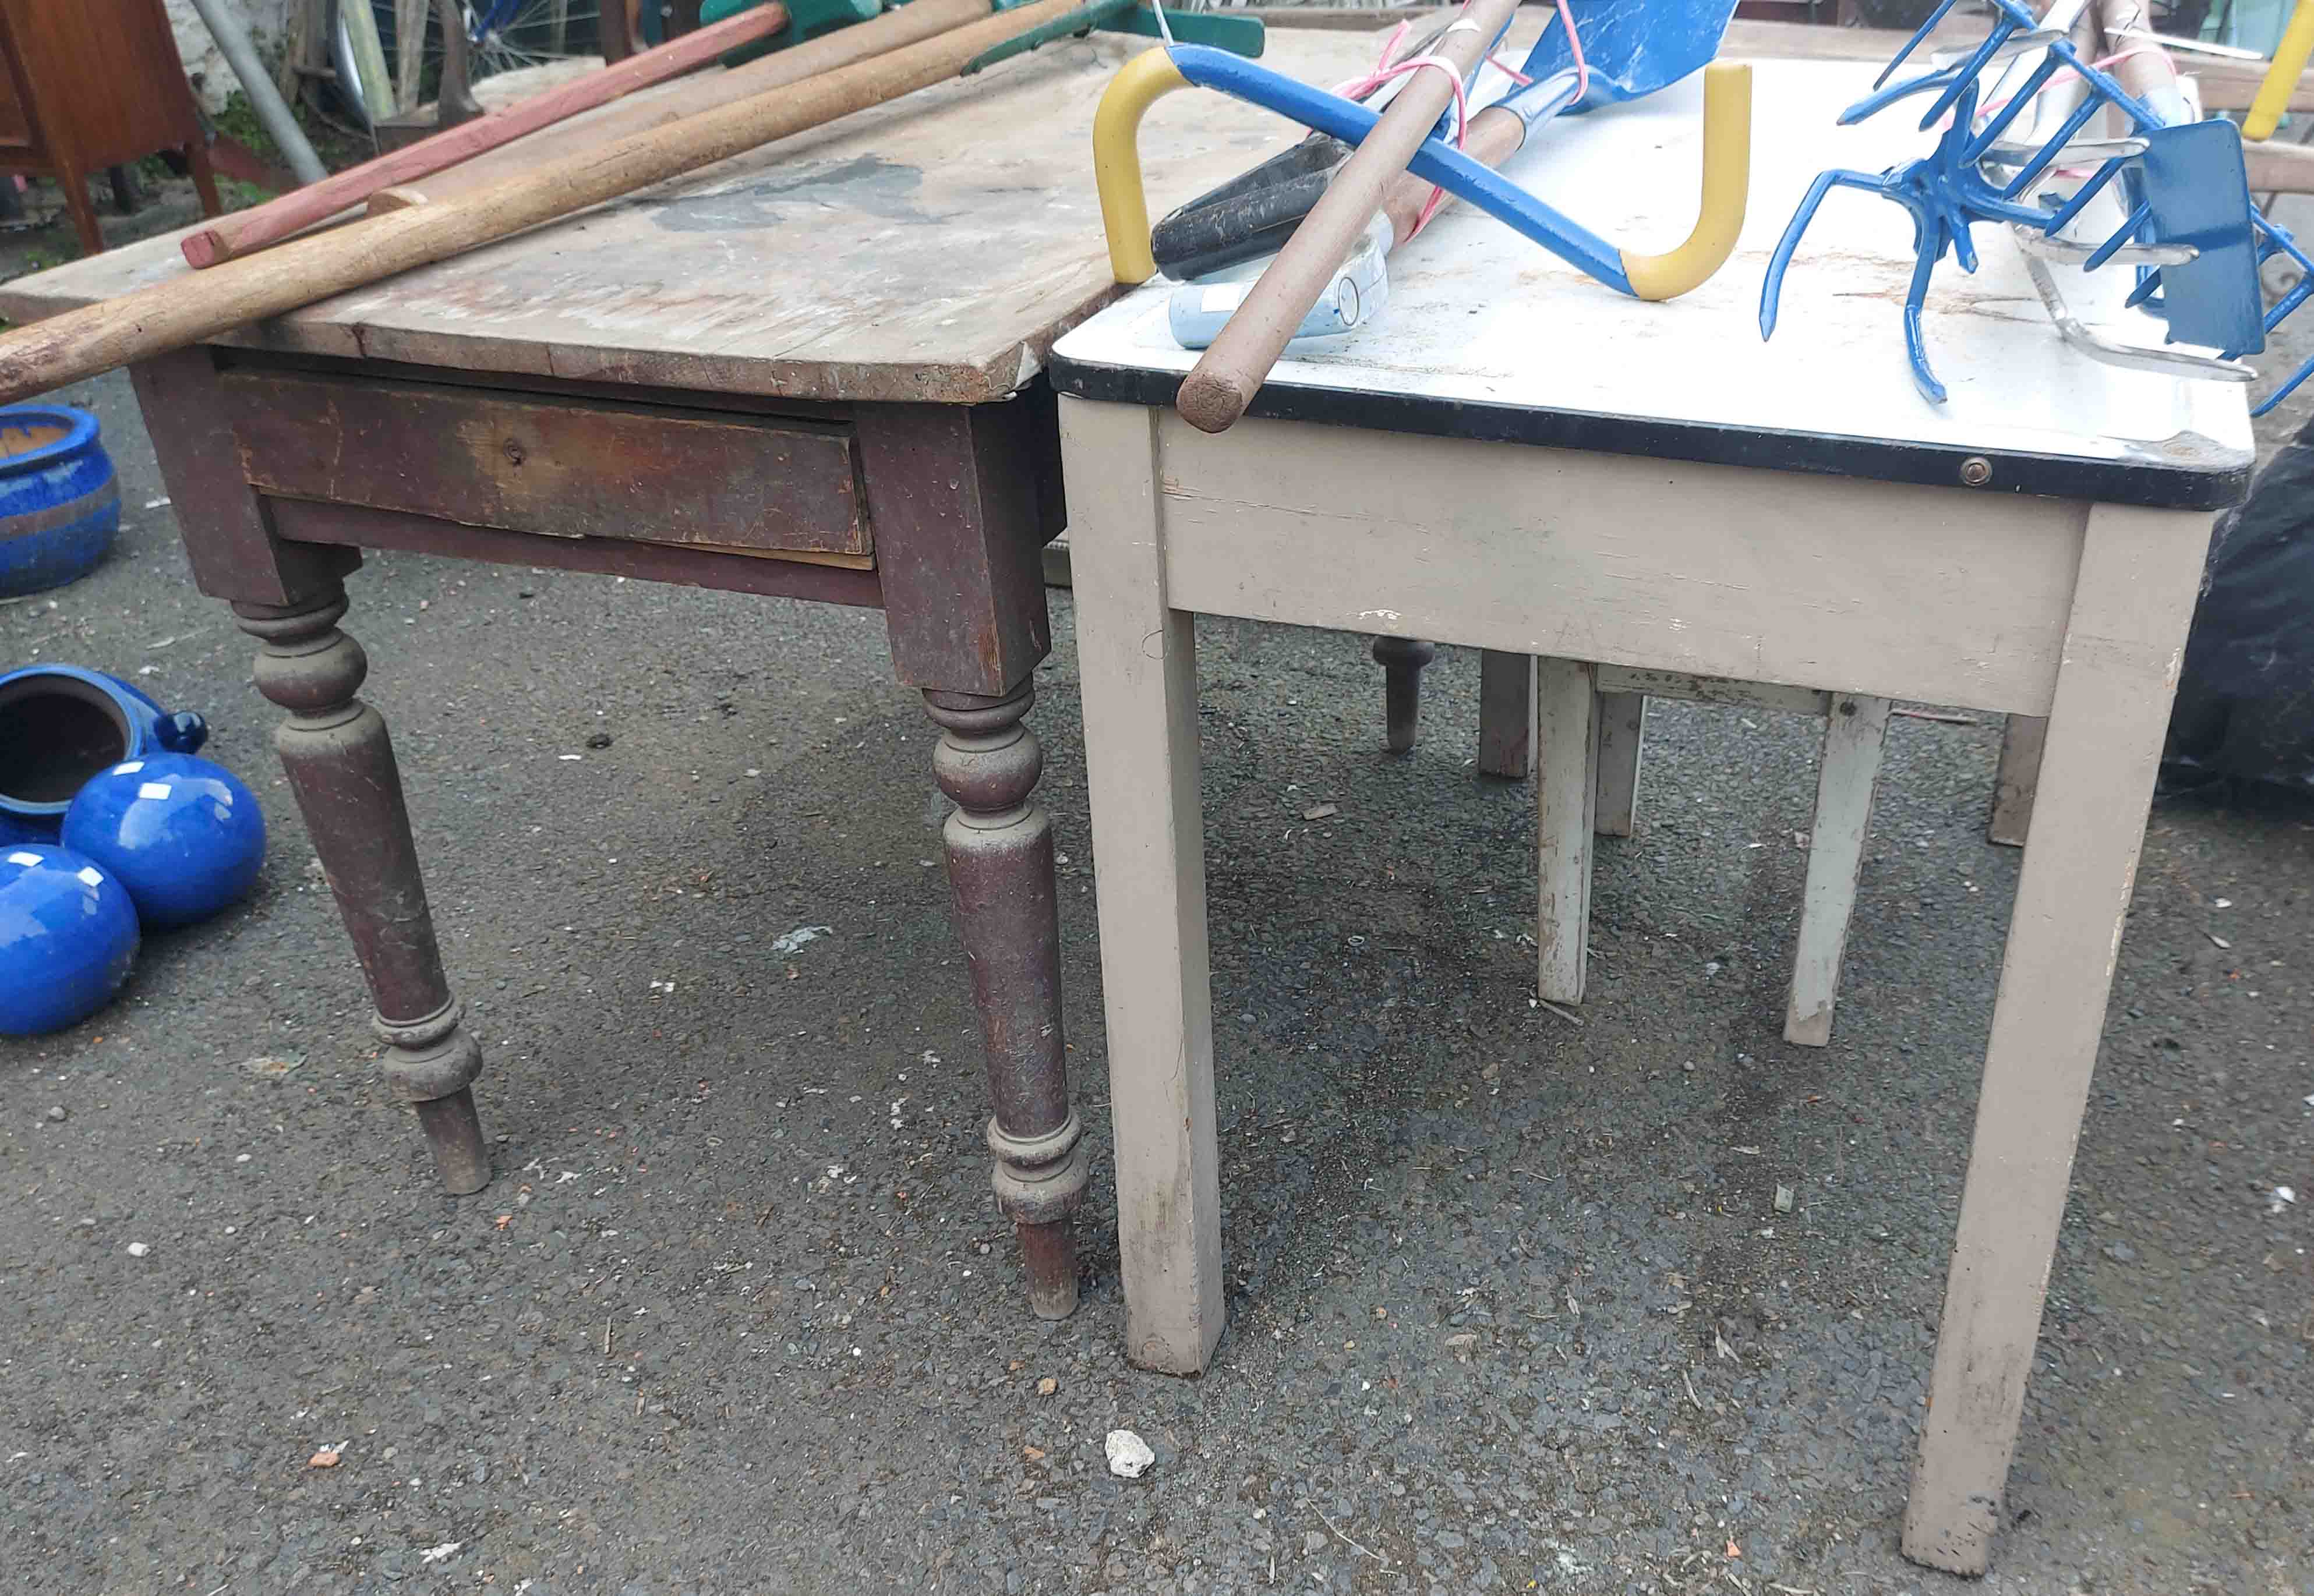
(1512, 1306)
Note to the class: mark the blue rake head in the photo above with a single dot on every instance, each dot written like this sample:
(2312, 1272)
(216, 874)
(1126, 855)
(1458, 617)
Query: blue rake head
(2190, 227)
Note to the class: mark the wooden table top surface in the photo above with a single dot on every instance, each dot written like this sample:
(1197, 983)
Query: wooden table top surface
(930, 250)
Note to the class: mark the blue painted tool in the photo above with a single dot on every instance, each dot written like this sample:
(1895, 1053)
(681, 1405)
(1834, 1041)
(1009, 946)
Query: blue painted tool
(2189, 224)
(1640, 68)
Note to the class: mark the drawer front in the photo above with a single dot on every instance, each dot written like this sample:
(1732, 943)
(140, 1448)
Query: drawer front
(555, 466)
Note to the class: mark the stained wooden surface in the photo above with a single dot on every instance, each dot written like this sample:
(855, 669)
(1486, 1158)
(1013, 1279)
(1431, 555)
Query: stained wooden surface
(928, 249)
(561, 467)
(90, 84)
(582, 90)
(105, 76)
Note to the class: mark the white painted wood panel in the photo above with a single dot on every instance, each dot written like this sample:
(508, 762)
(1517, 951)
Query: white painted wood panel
(1705, 690)
(1565, 788)
(2125, 641)
(1848, 776)
(1623, 733)
(1479, 314)
(1139, 664)
(1941, 593)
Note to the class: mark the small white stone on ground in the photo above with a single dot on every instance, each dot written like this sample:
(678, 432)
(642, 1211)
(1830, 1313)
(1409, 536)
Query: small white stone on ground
(138, 1250)
(1128, 1455)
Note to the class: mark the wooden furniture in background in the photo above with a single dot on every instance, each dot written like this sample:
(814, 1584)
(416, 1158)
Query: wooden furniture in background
(90, 86)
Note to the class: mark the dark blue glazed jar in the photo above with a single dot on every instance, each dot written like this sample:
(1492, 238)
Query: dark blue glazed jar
(60, 725)
(67, 937)
(59, 500)
(182, 835)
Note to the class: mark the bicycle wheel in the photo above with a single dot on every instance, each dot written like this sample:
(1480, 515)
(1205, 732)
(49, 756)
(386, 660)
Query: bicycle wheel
(502, 36)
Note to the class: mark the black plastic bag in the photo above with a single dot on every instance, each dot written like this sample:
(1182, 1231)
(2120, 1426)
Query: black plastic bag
(2245, 708)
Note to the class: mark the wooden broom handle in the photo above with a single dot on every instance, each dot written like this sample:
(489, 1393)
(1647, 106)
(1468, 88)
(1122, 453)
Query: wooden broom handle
(702, 92)
(181, 310)
(294, 212)
(1228, 374)
(1495, 134)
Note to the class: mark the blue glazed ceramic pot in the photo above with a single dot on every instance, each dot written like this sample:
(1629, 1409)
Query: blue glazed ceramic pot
(182, 835)
(59, 501)
(59, 724)
(67, 937)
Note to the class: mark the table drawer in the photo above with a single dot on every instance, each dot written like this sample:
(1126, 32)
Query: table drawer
(562, 467)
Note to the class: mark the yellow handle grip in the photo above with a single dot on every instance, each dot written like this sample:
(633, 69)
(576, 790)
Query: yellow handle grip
(2282, 77)
(1727, 183)
(1117, 160)
(1727, 176)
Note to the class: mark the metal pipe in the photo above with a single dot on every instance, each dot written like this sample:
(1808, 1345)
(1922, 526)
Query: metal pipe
(264, 99)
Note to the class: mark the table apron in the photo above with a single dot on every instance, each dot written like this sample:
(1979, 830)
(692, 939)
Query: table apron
(1950, 595)
(552, 463)
(358, 526)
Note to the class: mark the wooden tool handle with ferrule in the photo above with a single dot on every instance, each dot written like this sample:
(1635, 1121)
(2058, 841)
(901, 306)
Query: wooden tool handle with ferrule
(181, 311)
(912, 23)
(294, 212)
(1215, 395)
(1495, 134)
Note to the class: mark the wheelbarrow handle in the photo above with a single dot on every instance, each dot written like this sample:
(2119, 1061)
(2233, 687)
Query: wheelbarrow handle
(1153, 73)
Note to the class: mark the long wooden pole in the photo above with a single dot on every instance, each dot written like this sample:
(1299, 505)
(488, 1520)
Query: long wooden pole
(182, 310)
(251, 230)
(912, 23)
(1227, 375)
(1495, 134)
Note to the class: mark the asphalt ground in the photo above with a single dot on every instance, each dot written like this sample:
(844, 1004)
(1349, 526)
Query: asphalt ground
(1512, 1305)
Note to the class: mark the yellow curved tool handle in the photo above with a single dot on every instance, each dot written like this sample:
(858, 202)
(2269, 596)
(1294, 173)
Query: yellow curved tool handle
(1117, 160)
(2274, 94)
(1726, 184)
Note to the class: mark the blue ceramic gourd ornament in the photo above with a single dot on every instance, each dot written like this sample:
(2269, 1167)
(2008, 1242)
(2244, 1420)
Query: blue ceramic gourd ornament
(59, 724)
(67, 937)
(182, 833)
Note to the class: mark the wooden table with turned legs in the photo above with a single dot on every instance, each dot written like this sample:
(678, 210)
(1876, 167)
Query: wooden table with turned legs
(812, 372)
(282, 470)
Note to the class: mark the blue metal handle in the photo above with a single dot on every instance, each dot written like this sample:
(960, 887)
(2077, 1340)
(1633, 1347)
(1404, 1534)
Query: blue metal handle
(1435, 162)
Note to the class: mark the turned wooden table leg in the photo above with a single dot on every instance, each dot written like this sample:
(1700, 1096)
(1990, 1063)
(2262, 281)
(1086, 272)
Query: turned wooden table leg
(1000, 866)
(340, 765)
(1402, 660)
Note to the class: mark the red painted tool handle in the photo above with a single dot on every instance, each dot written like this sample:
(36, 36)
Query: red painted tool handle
(278, 219)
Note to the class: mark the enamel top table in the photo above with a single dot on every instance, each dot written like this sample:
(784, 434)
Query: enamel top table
(813, 371)
(1515, 458)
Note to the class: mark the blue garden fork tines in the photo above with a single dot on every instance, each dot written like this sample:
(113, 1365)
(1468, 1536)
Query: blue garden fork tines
(2188, 223)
